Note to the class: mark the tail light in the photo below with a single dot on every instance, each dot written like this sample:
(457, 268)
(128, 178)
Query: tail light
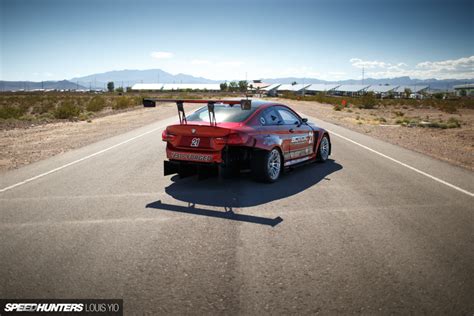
(236, 139)
(231, 139)
(167, 137)
(220, 141)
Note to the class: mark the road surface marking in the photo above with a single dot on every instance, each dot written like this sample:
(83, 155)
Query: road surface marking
(405, 165)
(79, 160)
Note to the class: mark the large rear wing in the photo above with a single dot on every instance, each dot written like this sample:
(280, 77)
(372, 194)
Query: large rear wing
(245, 104)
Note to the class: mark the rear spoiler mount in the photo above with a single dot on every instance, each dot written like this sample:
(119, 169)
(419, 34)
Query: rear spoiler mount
(245, 104)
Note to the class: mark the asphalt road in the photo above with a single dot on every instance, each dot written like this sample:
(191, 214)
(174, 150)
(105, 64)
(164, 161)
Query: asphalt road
(362, 233)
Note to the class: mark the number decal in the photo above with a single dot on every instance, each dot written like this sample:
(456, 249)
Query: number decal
(195, 142)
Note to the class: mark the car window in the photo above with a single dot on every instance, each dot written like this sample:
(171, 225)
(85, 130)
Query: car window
(224, 113)
(288, 117)
(270, 117)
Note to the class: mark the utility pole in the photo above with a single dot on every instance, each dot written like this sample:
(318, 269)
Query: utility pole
(363, 75)
(303, 87)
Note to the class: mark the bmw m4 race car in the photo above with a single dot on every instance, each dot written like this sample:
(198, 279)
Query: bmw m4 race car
(227, 136)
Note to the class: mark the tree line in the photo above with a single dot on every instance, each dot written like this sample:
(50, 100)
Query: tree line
(232, 86)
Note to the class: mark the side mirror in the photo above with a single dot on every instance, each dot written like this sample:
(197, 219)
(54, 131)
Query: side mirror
(304, 120)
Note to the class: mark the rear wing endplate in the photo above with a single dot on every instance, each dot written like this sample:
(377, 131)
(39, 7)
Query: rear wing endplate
(245, 104)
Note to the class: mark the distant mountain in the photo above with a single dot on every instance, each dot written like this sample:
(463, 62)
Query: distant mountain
(31, 85)
(130, 77)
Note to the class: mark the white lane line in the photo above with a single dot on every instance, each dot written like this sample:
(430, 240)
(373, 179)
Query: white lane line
(405, 165)
(78, 160)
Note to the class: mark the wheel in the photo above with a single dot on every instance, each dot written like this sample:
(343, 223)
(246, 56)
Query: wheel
(323, 150)
(266, 165)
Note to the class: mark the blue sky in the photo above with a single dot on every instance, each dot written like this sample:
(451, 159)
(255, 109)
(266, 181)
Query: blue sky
(227, 39)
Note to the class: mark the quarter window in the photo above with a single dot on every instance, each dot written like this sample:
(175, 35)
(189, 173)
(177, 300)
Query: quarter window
(288, 117)
(270, 117)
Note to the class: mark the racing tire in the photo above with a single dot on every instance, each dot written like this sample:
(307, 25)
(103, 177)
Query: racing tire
(323, 149)
(267, 165)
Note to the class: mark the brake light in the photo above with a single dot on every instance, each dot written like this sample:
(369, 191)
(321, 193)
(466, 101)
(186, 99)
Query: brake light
(220, 141)
(236, 138)
(167, 137)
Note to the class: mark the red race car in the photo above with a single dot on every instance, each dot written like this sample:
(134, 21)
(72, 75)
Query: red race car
(231, 135)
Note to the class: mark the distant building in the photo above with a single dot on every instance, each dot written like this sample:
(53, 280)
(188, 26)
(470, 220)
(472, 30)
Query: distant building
(414, 89)
(147, 86)
(295, 88)
(467, 88)
(175, 86)
(382, 91)
(257, 85)
(271, 90)
(319, 88)
(351, 90)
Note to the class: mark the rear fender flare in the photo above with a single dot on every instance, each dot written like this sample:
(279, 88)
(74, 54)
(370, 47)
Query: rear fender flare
(267, 142)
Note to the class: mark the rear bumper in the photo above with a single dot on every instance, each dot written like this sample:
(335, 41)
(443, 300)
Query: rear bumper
(187, 168)
(194, 156)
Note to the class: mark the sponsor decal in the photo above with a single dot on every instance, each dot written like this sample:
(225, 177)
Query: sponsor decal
(61, 307)
(299, 139)
(190, 156)
(310, 137)
(298, 153)
(193, 131)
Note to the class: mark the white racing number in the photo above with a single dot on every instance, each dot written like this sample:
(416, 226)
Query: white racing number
(195, 142)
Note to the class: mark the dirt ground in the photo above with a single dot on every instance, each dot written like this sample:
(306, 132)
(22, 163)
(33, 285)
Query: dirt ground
(24, 145)
(21, 146)
(454, 145)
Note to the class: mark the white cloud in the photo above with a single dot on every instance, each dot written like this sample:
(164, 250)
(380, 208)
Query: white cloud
(462, 68)
(161, 55)
(461, 65)
(359, 63)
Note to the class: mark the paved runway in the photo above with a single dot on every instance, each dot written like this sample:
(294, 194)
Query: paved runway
(362, 233)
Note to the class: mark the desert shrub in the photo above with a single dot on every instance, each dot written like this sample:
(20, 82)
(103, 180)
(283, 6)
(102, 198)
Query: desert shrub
(438, 95)
(67, 110)
(338, 107)
(122, 103)
(44, 107)
(448, 107)
(96, 104)
(367, 101)
(453, 123)
(83, 117)
(11, 111)
(402, 121)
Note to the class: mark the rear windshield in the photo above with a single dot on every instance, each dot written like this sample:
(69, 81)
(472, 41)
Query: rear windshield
(224, 113)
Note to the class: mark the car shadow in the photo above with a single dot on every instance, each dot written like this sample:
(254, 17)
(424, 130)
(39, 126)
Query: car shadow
(242, 192)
